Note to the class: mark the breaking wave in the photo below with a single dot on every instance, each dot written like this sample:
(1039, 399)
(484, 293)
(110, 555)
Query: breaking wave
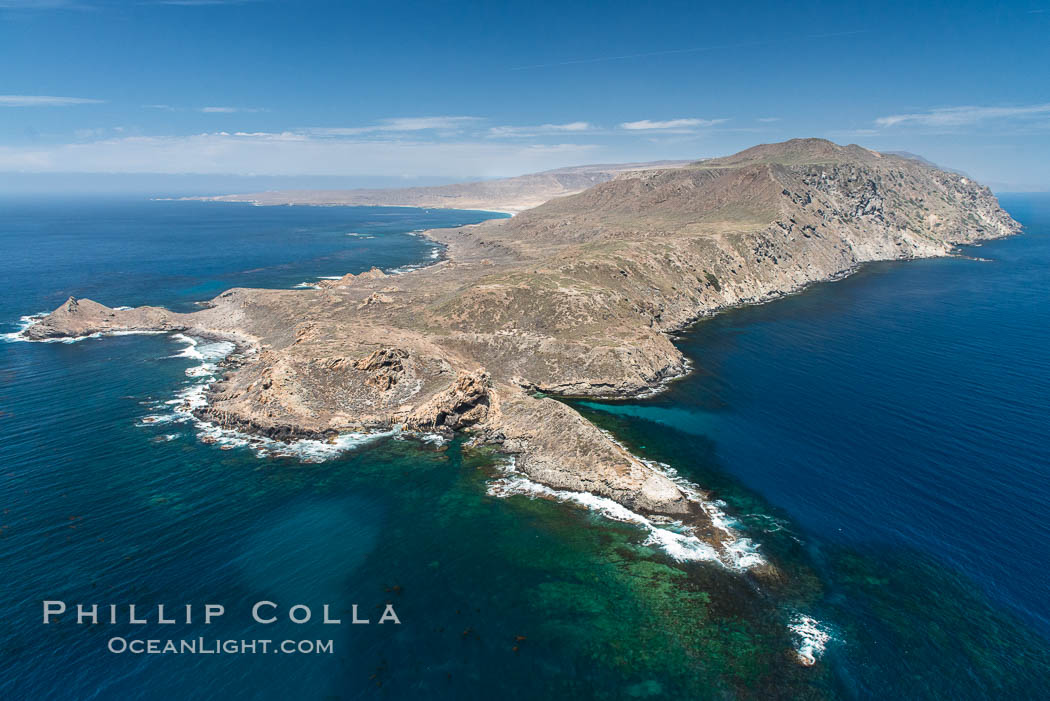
(681, 545)
(180, 410)
(28, 320)
(741, 552)
(811, 638)
(24, 323)
(314, 285)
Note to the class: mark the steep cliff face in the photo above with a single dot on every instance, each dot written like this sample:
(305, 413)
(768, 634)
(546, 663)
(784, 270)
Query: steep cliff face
(577, 296)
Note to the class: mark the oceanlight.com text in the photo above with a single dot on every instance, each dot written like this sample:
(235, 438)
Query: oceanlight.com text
(203, 646)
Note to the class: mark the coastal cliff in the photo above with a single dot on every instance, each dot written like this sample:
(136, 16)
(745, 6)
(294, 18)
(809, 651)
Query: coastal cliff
(579, 296)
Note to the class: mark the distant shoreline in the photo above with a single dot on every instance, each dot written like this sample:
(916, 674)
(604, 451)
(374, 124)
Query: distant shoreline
(228, 199)
(504, 195)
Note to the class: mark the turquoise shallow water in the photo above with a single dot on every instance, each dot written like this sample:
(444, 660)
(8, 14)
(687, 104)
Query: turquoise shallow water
(883, 438)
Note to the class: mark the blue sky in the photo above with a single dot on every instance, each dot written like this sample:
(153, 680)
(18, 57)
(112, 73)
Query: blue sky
(356, 92)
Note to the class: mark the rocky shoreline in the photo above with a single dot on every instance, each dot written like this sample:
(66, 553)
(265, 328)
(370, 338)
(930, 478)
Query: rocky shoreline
(577, 297)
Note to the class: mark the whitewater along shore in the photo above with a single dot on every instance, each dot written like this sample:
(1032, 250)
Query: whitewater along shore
(579, 297)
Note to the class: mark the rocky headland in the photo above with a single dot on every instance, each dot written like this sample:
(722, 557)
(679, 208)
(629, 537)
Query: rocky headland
(578, 296)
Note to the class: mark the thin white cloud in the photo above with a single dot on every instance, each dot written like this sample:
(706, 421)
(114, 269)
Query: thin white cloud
(401, 124)
(962, 116)
(85, 134)
(210, 109)
(768, 120)
(226, 110)
(570, 127)
(669, 124)
(292, 153)
(850, 133)
(44, 101)
(201, 3)
(38, 4)
(98, 4)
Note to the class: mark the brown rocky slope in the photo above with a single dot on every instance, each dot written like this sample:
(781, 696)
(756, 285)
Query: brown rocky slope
(575, 297)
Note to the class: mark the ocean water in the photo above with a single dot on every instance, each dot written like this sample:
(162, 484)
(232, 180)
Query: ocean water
(883, 439)
(894, 427)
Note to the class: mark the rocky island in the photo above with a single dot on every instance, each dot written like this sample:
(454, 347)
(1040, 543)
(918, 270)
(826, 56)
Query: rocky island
(576, 297)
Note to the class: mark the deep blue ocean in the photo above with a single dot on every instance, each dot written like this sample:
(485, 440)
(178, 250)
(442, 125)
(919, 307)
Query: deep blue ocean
(885, 439)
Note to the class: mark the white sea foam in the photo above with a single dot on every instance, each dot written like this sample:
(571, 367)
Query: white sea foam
(743, 553)
(209, 352)
(401, 270)
(811, 638)
(682, 544)
(313, 285)
(190, 351)
(28, 320)
(157, 419)
(740, 553)
(24, 323)
(195, 396)
(432, 438)
(304, 450)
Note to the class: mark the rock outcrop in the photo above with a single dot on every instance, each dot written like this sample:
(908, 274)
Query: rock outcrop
(83, 317)
(575, 297)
